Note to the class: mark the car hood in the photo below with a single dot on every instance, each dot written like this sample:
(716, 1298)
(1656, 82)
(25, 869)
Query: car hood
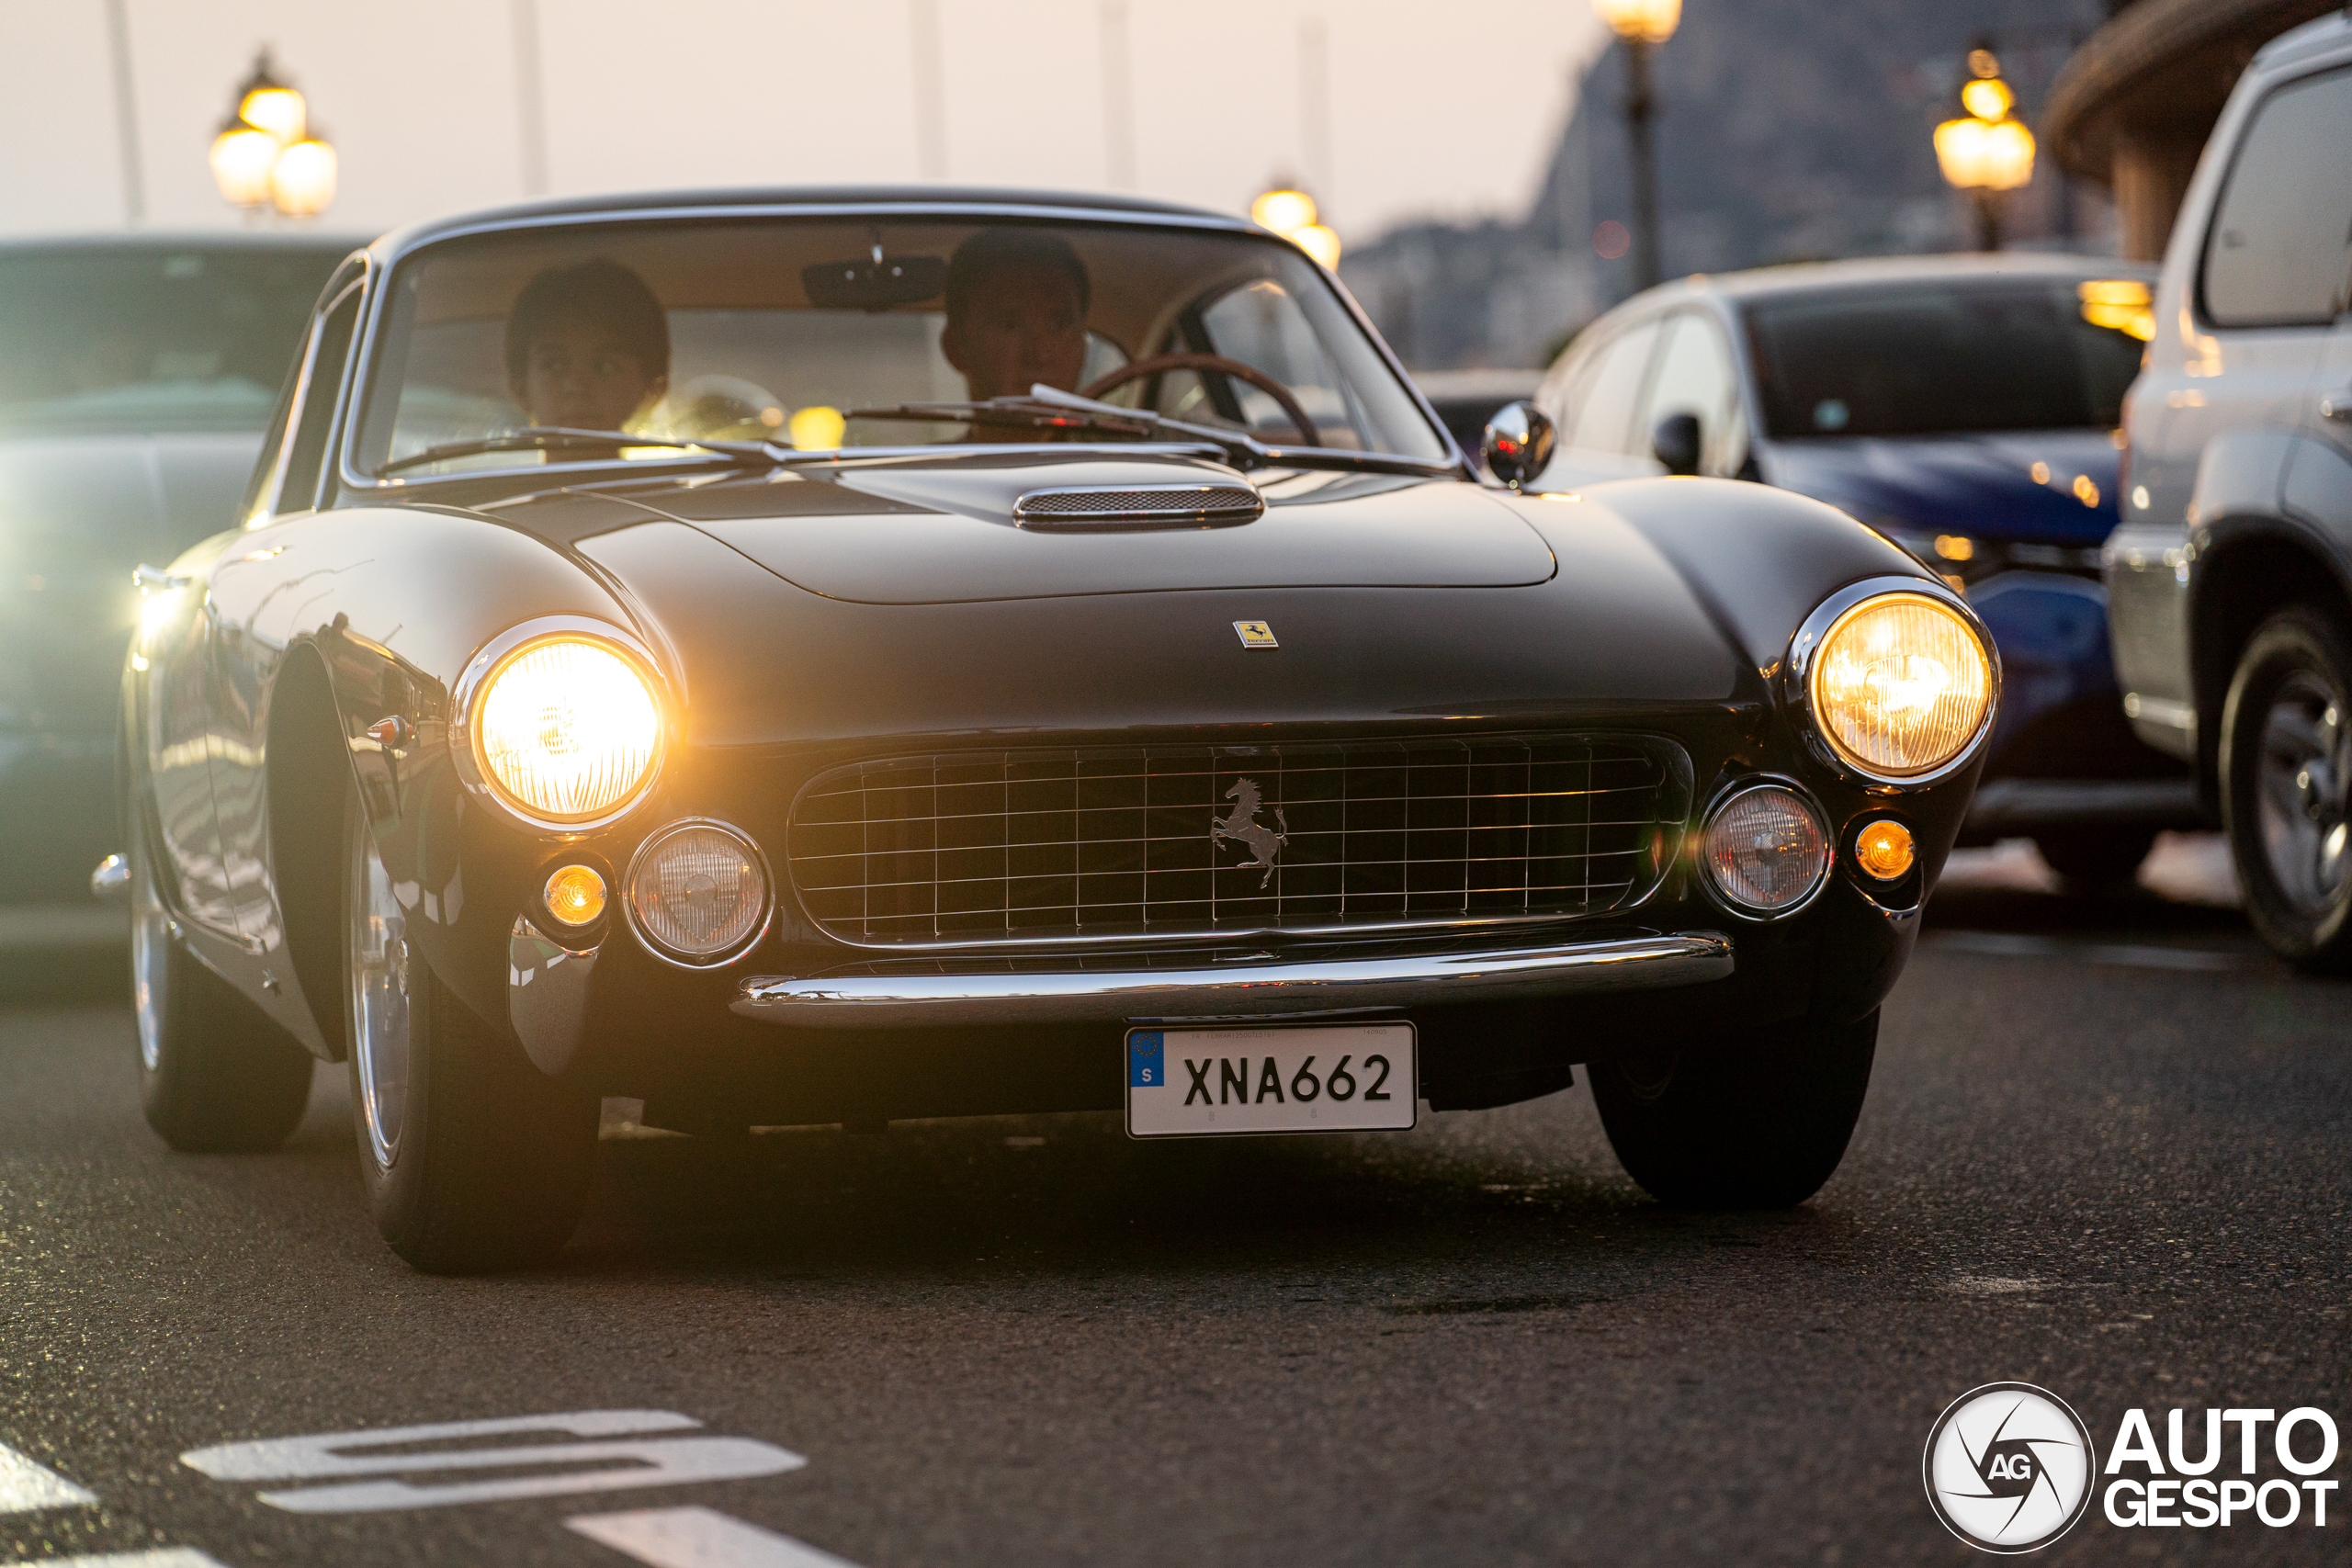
(1983, 486)
(941, 531)
(1372, 623)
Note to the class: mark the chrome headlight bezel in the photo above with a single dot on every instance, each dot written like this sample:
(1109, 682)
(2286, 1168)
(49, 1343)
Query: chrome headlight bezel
(1797, 682)
(625, 895)
(493, 655)
(1748, 784)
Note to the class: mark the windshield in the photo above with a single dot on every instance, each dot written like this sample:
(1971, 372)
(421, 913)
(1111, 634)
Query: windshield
(825, 333)
(152, 338)
(1932, 358)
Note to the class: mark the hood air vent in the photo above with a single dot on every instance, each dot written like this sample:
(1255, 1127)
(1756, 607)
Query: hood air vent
(1081, 508)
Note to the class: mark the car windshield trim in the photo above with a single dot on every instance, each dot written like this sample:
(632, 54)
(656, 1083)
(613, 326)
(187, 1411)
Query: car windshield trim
(399, 252)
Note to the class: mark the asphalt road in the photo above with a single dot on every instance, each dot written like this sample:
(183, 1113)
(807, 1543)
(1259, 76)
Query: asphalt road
(2105, 1152)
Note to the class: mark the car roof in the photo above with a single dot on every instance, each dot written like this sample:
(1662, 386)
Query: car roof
(932, 197)
(1871, 272)
(216, 240)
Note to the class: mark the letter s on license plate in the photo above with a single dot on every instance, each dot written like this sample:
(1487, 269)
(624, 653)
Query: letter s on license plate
(1336, 1078)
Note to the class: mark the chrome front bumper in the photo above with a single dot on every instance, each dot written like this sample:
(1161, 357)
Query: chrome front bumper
(873, 998)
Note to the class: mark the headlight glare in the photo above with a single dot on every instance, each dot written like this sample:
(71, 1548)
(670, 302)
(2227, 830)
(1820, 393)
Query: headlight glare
(1900, 686)
(567, 728)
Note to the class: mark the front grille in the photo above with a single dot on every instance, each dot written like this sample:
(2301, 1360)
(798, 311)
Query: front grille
(1163, 841)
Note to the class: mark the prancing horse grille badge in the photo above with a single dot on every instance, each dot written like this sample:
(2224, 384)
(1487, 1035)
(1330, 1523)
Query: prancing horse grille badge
(1255, 634)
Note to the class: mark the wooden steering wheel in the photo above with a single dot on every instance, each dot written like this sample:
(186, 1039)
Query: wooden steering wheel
(1161, 363)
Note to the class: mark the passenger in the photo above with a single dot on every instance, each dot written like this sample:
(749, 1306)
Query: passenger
(587, 347)
(1016, 313)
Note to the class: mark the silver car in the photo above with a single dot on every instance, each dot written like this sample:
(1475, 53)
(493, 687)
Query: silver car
(2230, 577)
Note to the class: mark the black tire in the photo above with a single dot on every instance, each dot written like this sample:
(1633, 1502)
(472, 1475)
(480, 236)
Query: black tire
(471, 1158)
(215, 1074)
(2286, 767)
(1755, 1123)
(2097, 856)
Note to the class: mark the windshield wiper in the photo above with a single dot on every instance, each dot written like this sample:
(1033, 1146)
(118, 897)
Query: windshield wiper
(1049, 408)
(555, 438)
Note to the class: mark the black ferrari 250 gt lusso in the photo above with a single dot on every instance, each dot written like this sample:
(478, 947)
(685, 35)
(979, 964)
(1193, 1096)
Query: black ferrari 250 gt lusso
(831, 656)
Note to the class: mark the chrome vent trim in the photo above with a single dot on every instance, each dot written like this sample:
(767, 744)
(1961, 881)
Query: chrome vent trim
(1082, 508)
(1116, 844)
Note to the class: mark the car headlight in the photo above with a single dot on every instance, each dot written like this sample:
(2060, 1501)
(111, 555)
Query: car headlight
(1900, 684)
(567, 728)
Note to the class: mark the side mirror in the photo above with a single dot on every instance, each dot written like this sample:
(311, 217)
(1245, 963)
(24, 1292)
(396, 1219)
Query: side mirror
(1676, 442)
(1519, 443)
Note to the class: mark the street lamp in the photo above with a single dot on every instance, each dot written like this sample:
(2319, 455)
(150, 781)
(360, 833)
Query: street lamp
(1290, 212)
(1642, 25)
(267, 154)
(1988, 150)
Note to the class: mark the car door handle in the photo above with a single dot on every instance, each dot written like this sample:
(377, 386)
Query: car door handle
(2337, 406)
(155, 580)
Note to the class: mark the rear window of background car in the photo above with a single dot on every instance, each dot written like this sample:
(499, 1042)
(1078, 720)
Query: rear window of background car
(1936, 357)
(2280, 249)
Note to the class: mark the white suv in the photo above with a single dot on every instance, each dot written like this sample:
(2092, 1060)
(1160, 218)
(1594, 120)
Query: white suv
(2230, 578)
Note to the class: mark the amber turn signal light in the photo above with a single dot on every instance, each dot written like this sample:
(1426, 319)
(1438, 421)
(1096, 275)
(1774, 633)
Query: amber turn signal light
(1884, 850)
(575, 896)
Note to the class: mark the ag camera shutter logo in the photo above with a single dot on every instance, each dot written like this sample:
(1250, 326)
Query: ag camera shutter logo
(2009, 1467)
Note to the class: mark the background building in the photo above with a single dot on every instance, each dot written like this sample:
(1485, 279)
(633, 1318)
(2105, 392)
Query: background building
(1782, 137)
(2132, 109)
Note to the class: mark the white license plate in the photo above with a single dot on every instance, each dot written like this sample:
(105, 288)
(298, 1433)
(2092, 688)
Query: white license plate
(1334, 1077)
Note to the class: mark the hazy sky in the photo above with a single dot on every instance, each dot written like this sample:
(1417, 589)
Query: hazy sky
(1434, 109)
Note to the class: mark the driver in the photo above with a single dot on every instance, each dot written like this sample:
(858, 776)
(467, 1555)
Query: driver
(587, 347)
(1016, 313)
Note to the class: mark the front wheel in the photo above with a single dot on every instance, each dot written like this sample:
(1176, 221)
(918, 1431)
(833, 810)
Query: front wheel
(215, 1076)
(2286, 768)
(472, 1157)
(1753, 1122)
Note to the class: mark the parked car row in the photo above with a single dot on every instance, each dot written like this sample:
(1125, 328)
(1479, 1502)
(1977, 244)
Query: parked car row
(2142, 482)
(136, 375)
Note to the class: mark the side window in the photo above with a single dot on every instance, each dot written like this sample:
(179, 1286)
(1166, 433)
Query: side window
(1693, 375)
(1605, 417)
(306, 457)
(259, 489)
(2279, 251)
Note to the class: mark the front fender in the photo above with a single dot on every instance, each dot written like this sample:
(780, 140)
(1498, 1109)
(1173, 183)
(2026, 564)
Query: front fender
(1760, 560)
(395, 602)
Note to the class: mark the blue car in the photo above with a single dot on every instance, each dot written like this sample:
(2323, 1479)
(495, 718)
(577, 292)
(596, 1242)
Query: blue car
(1965, 407)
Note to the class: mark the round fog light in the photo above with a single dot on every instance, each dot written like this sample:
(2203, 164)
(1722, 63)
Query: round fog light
(575, 896)
(1884, 850)
(1765, 850)
(697, 891)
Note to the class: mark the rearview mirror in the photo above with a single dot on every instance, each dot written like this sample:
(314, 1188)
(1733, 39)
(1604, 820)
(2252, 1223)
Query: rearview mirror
(1674, 442)
(1519, 443)
(874, 283)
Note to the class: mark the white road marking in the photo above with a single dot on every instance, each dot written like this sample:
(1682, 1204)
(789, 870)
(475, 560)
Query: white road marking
(25, 1486)
(163, 1557)
(632, 1460)
(700, 1538)
(2007, 944)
